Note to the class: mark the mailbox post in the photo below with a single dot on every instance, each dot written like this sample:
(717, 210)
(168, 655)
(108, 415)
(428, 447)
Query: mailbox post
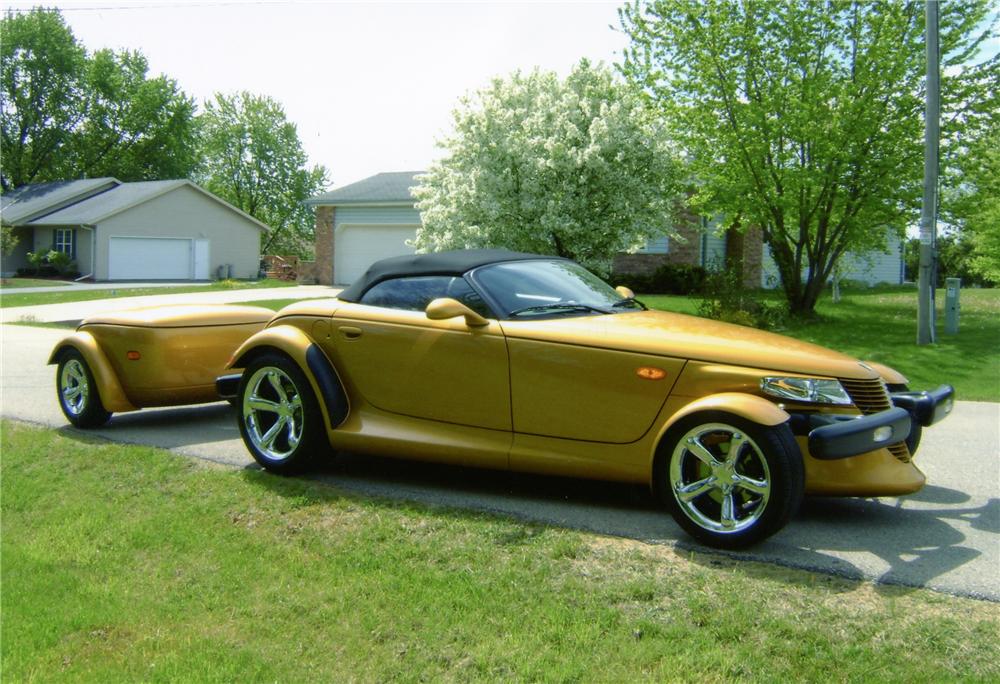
(951, 305)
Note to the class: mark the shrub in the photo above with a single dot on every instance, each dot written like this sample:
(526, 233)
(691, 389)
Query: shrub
(678, 279)
(726, 299)
(49, 264)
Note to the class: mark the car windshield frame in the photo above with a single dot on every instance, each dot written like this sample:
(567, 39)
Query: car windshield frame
(539, 308)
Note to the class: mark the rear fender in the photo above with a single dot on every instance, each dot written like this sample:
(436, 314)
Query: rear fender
(108, 386)
(311, 360)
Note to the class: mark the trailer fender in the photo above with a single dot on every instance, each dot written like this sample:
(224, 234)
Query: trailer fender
(108, 386)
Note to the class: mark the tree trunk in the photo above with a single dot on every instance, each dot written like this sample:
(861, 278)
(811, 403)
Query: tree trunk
(735, 251)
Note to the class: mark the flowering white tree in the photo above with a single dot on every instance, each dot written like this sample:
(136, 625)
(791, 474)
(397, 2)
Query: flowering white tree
(576, 168)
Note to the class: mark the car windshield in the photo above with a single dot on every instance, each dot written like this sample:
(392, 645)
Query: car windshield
(527, 289)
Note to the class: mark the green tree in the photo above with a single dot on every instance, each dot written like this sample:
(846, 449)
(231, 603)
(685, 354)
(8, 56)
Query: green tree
(41, 65)
(8, 241)
(136, 127)
(575, 167)
(253, 158)
(66, 114)
(982, 224)
(804, 118)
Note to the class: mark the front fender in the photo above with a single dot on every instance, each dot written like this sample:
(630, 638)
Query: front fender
(108, 386)
(748, 406)
(301, 348)
(890, 376)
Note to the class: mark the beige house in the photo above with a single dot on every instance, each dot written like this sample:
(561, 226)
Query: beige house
(155, 230)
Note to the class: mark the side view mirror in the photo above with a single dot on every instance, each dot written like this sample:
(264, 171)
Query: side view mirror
(444, 308)
(625, 292)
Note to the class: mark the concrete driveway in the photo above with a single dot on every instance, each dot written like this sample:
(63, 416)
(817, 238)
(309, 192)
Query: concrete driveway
(946, 537)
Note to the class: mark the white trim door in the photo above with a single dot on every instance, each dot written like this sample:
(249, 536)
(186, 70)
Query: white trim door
(202, 263)
(145, 258)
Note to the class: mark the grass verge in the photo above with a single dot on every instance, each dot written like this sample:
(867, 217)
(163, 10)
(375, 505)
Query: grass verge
(14, 283)
(125, 563)
(63, 296)
(882, 326)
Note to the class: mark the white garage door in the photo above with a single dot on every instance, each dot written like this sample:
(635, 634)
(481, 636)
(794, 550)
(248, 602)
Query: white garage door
(149, 259)
(356, 247)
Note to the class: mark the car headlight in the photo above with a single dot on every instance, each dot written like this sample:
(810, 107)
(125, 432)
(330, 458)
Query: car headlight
(820, 391)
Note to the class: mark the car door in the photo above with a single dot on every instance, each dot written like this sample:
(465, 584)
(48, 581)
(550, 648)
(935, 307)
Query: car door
(586, 392)
(400, 361)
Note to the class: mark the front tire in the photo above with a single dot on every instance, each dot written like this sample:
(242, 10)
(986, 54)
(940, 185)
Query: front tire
(728, 482)
(279, 417)
(79, 398)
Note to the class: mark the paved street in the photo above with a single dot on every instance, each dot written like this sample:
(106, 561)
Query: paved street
(946, 537)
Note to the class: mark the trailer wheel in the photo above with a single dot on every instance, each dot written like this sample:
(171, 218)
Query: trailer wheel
(79, 397)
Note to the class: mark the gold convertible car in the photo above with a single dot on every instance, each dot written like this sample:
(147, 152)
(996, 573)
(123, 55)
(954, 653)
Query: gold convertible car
(518, 361)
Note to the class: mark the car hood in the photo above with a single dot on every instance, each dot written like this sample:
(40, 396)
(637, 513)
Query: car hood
(694, 338)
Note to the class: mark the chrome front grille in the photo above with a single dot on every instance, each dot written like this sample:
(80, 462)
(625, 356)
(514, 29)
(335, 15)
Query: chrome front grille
(900, 451)
(871, 396)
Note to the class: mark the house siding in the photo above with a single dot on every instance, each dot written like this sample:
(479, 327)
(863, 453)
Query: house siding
(871, 268)
(187, 213)
(347, 215)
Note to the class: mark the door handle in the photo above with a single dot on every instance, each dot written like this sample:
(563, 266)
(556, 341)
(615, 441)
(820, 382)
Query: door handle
(350, 332)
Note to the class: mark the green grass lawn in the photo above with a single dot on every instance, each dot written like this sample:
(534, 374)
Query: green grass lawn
(127, 563)
(276, 304)
(881, 325)
(34, 298)
(14, 283)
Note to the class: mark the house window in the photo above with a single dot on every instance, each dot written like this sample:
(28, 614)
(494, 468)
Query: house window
(64, 241)
(658, 245)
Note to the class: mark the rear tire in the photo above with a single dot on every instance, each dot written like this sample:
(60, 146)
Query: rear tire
(279, 417)
(729, 482)
(79, 398)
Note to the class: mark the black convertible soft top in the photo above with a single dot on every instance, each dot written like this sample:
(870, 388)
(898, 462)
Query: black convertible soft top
(453, 263)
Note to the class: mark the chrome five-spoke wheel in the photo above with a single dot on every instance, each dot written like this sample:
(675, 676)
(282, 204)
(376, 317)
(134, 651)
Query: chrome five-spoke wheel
(79, 395)
(720, 478)
(279, 417)
(728, 481)
(273, 413)
(74, 387)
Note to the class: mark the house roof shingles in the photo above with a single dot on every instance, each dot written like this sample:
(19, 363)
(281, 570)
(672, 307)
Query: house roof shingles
(383, 188)
(94, 209)
(28, 202)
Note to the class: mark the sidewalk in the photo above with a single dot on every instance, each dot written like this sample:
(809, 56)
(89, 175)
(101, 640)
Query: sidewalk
(75, 311)
(118, 285)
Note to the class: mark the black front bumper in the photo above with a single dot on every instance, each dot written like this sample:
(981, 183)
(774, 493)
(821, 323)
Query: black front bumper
(832, 436)
(926, 408)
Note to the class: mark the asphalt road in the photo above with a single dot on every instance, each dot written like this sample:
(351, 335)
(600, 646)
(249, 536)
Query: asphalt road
(945, 537)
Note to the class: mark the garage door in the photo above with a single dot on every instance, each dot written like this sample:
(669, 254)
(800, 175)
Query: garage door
(356, 247)
(149, 259)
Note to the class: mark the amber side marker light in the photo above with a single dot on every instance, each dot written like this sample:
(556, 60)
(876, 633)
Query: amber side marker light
(133, 355)
(650, 373)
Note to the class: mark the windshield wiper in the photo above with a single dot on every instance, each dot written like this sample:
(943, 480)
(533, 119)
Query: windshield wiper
(629, 301)
(557, 306)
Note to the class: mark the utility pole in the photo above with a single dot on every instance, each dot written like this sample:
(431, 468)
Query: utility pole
(928, 215)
